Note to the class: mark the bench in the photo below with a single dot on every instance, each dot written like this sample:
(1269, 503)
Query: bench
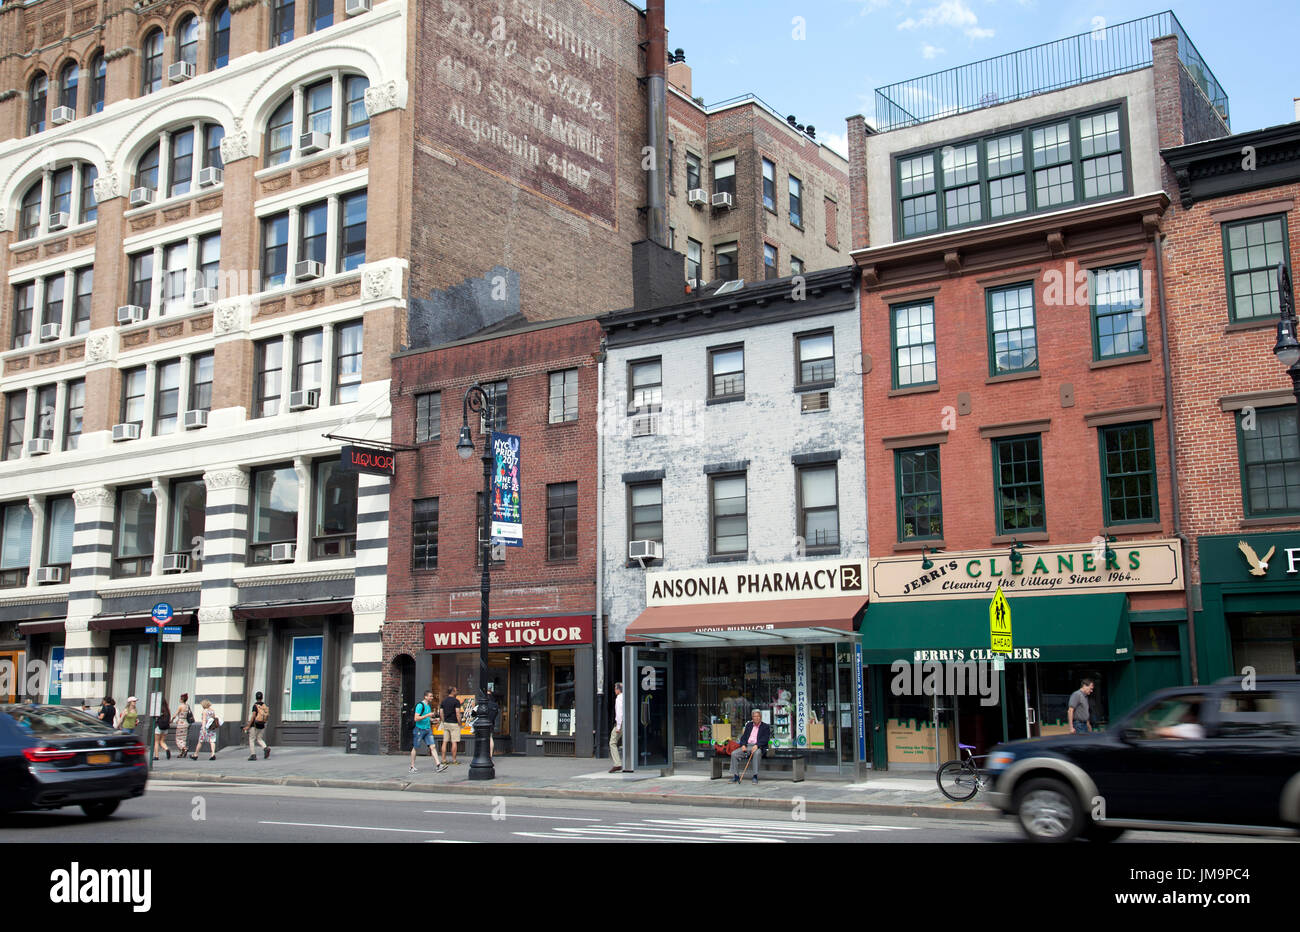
(777, 761)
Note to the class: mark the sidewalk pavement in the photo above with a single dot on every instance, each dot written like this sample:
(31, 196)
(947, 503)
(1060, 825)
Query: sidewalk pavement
(893, 793)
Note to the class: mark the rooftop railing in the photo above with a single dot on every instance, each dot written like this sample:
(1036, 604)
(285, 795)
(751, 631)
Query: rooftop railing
(1105, 51)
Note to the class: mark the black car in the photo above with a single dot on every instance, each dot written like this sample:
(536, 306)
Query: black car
(1218, 758)
(53, 756)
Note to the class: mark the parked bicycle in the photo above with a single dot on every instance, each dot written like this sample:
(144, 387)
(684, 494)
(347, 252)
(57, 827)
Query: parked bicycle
(961, 779)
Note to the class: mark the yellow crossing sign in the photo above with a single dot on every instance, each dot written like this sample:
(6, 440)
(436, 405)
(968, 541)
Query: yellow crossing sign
(999, 624)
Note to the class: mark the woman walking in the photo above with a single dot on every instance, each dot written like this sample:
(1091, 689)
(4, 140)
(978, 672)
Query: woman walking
(182, 720)
(209, 723)
(129, 716)
(161, 724)
(108, 711)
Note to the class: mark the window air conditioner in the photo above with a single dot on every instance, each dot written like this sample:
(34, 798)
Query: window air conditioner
(141, 197)
(51, 331)
(313, 142)
(723, 199)
(180, 71)
(810, 402)
(128, 431)
(282, 553)
(645, 425)
(59, 221)
(308, 269)
(304, 400)
(356, 7)
(175, 562)
(38, 446)
(202, 297)
(209, 177)
(62, 115)
(645, 550)
(697, 197)
(49, 574)
(130, 314)
(195, 418)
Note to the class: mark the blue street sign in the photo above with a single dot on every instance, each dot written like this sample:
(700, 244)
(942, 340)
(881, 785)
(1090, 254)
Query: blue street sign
(162, 612)
(151, 629)
(171, 630)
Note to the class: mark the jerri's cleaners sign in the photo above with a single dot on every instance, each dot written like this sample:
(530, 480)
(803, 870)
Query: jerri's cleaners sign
(558, 631)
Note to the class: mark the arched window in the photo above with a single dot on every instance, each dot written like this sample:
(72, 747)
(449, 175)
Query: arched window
(98, 78)
(71, 192)
(279, 133)
(89, 205)
(29, 222)
(68, 86)
(38, 91)
(315, 114)
(151, 67)
(356, 123)
(187, 41)
(220, 47)
(171, 166)
(146, 170)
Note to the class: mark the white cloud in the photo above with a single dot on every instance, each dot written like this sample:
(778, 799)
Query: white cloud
(977, 32)
(954, 14)
(836, 141)
(929, 51)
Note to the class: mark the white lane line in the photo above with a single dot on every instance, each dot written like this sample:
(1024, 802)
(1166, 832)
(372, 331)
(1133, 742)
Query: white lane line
(664, 833)
(512, 815)
(357, 828)
(605, 836)
(820, 826)
(447, 841)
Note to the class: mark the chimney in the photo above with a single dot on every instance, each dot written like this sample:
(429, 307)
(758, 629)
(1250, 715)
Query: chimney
(679, 73)
(1296, 101)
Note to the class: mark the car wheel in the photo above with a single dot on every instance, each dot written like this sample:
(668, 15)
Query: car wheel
(1048, 811)
(100, 809)
(1102, 833)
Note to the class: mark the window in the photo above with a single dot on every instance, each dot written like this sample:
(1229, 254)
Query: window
(428, 416)
(317, 103)
(1099, 150)
(694, 260)
(270, 360)
(316, 114)
(730, 534)
(1004, 162)
(60, 522)
(1118, 319)
(46, 397)
(167, 400)
(819, 510)
(187, 41)
(213, 133)
(1251, 251)
(564, 396)
(30, 220)
(281, 22)
(769, 185)
(913, 336)
(76, 410)
(352, 231)
(65, 184)
(645, 386)
(15, 545)
(1013, 340)
(137, 510)
(920, 497)
(279, 134)
(692, 171)
(498, 395)
(1053, 170)
(334, 532)
(796, 265)
(313, 222)
(275, 510)
(1018, 482)
(646, 511)
(275, 250)
(961, 176)
(89, 204)
(24, 296)
(724, 176)
(68, 86)
(189, 505)
(356, 122)
(208, 273)
(322, 14)
(562, 521)
(815, 357)
(98, 78)
(219, 49)
(52, 313)
(61, 191)
(151, 71)
(1128, 474)
(347, 367)
(308, 360)
(796, 201)
(84, 283)
(726, 261)
(146, 170)
(769, 262)
(132, 408)
(201, 369)
(672, 185)
(727, 373)
(424, 534)
(176, 271)
(181, 169)
(1270, 462)
(478, 524)
(37, 94)
(141, 291)
(918, 203)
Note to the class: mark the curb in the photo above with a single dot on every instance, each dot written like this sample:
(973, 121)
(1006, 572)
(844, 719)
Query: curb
(979, 814)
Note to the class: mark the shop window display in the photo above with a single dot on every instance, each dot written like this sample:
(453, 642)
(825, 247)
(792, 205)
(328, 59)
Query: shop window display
(536, 690)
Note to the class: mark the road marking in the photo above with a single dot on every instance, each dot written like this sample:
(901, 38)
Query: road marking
(712, 830)
(512, 815)
(606, 836)
(357, 828)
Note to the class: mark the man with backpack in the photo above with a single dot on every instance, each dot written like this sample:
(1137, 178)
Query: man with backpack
(422, 732)
(258, 716)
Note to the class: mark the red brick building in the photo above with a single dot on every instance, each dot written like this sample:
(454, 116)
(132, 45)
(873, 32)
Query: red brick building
(545, 378)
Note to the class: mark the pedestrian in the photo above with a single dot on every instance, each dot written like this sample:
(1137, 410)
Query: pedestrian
(1078, 712)
(616, 735)
(450, 725)
(128, 717)
(108, 711)
(753, 745)
(161, 724)
(258, 716)
(208, 725)
(493, 710)
(183, 719)
(422, 733)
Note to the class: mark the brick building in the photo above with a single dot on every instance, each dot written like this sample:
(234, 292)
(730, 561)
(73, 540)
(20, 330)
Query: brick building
(1232, 221)
(1014, 336)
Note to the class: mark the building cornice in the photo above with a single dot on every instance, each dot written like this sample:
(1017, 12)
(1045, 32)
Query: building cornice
(1262, 158)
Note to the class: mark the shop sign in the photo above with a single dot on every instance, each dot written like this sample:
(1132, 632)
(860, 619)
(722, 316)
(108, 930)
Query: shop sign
(801, 697)
(742, 582)
(860, 700)
(1140, 566)
(304, 694)
(561, 631)
(507, 522)
(367, 459)
(1000, 624)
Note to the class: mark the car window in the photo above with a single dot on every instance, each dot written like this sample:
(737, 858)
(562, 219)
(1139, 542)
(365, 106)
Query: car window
(54, 721)
(1172, 717)
(1256, 714)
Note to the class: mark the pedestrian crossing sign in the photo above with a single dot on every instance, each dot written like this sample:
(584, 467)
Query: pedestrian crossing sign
(999, 624)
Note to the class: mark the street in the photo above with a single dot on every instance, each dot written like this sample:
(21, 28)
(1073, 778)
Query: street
(202, 813)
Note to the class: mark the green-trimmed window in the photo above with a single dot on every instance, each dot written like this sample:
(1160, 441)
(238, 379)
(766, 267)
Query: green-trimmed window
(919, 204)
(1251, 251)
(1119, 326)
(919, 495)
(1270, 461)
(1013, 339)
(912, 333)
(1128, 474)
(961, 185)
(1004, 161)
(1018, 484)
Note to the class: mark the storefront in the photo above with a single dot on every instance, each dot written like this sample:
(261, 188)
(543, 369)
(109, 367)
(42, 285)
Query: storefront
(715, 644)
(540, 669)
(931, 672)
(1249, 615)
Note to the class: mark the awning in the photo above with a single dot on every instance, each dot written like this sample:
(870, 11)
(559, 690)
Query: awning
(44, 626)
(292, 609)
(718, 624)
(139, 620)
(1051, 628)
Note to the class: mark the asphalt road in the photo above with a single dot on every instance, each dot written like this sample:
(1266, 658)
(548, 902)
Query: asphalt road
(202, 813)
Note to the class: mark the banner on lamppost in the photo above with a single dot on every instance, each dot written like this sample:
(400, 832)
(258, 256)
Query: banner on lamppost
(507, 524)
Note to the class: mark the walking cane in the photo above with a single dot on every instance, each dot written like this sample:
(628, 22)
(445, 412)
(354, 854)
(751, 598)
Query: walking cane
(747, 760)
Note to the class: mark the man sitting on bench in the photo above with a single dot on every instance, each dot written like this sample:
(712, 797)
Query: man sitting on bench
(753, 745)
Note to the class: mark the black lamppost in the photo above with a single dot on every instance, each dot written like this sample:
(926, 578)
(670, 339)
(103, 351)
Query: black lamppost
(479, 401)
(1287, 349)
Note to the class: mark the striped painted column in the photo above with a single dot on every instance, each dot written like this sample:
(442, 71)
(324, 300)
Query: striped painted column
(368, 607)
(85, 655)
(222, 654)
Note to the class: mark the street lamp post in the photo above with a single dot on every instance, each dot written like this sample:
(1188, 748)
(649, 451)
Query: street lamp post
(1287, 349)
(478, 400)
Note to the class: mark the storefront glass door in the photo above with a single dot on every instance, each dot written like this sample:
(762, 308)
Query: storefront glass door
(651, 713)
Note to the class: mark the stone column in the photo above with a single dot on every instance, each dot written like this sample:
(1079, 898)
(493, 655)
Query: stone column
(369, 605)
(86, 652)
(222, 654)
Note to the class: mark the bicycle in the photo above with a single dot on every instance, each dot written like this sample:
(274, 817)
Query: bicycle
(964, 777)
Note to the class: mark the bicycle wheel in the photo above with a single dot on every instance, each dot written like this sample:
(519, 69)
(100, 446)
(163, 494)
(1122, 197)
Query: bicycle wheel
(957, 780)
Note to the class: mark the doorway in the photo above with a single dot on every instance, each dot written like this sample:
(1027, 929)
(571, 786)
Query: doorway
(652, 746)
(405, 698)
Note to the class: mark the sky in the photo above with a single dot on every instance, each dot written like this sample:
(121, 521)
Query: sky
(850, 47)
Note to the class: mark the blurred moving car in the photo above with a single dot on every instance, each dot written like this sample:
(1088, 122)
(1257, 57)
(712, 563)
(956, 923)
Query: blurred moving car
(53, 756)
(1217, 758)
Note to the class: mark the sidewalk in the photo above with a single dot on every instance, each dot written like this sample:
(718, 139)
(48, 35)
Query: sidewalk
(910, 793)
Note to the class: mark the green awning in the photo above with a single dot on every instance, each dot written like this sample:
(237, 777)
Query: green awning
(1051, 628)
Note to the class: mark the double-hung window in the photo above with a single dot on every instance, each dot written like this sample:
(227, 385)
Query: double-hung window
(815, 359)
(176, 273)
(24, 306)
(275, 250)
(1018, 484)
(182, 163)
(269, 359)
(322, 14)
(724, 176)
(219, 49)
(201, 370)
(1270, 461)
(167, 400)
(819, 510)
(1013, 338)
(564, 396)
(1128, 474)
(46, 399)
(769, 185)
(60, 522)
(281, 22)
(428, 416)
(424, 534)
(142, 282)
(347, 362)
(137, 509)
(151, 69)
(1004, 161)
(15, 544)
(727, 373)
(134, 399)
(274, 513)
(726, 262)
(692, 171)
(796, 201)
(352, 231)
(187, 41)
(313, 224)
(84, 284)
(920, 494)
(498, 397)
(770, 269)
(185, 525)
(334, 532)
(646, 511)
(308, 361)
(912, 331)
(15, 424)
(562, 521)
(645, 386)
(1252, 250)
(694, 260)
(76, 409)
(729, 520)
(1118, 320)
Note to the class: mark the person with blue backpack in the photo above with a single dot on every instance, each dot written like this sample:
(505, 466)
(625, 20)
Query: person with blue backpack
(422, 733)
